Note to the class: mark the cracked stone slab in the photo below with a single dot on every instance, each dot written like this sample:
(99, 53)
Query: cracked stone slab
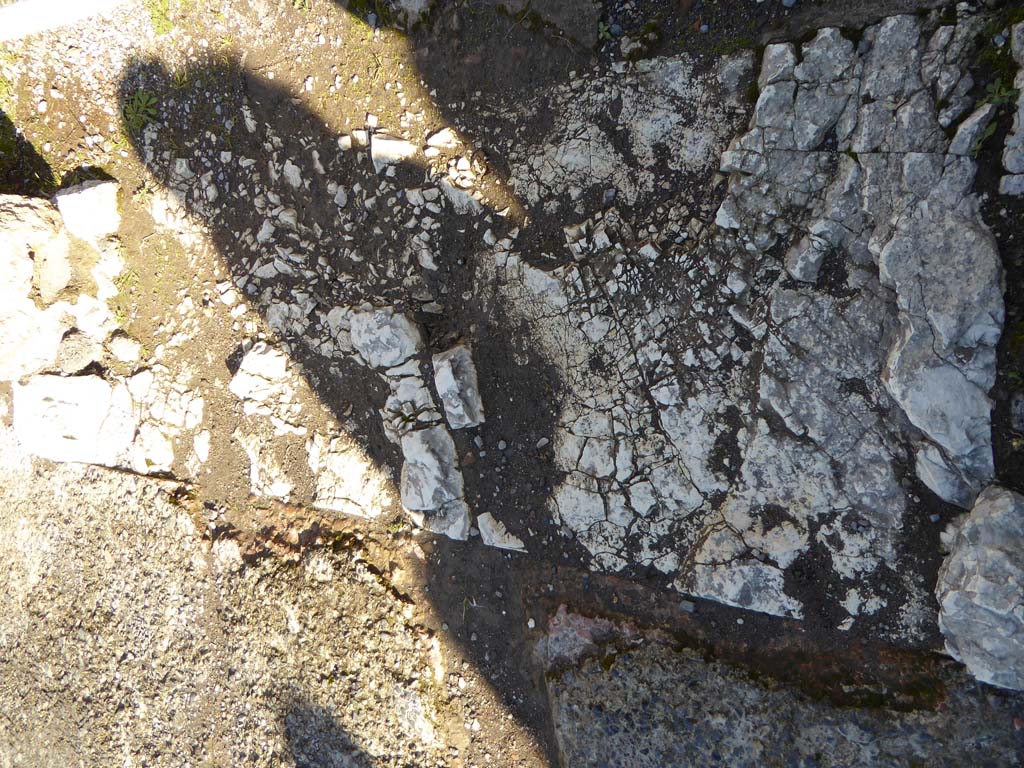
(346, 479)
(384, 337)
(756, 423)
(80, 418)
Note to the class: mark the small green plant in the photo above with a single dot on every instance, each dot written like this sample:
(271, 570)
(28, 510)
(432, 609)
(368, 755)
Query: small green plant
(300, 5)
(604, 32)
(143, 194)
(160, 15)
(732, 45)
(1015, 342)
(999, 94)
(139, 111)
(126, 281)
(181, 79)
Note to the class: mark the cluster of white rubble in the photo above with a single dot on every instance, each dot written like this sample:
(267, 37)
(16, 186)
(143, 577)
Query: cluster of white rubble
(864, 349)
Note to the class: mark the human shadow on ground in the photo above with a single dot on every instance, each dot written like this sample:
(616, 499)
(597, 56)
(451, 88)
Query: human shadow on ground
(315, 739)
(345, 256)
(23, 171)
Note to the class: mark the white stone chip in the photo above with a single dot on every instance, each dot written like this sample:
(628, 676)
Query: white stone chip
(386, 150)
(431, 484)
(494, 534)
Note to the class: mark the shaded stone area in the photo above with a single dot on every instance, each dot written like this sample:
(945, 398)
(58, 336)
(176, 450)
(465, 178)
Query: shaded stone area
(650, 706)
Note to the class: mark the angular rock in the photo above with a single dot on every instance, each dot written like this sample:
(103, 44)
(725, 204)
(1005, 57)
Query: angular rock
(777, 64)
(456, 382)
(76, 351)
(346, 479)
(32, 243)
(260, 373)
(1012, 185)
(29, 338)
(1013, 149)
(266, 476)
(431, 483)
(444, 138)
(90, 209)
(385, 151)
(965, 142)
(385, 338)
(78, 418)
(980, 586)
(124, 348)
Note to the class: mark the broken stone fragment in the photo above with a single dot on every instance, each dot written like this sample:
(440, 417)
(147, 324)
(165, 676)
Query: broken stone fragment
(494, 534)
(29, 338)
(90, 209)
(346, 479)
(385, 338)
(1012, 185)
(431, 484)
(461, 201)
(77, 351)
(124, 348)
(77, 418)
(971, 130)
(443, 139)
(292, 174)
(27, 227)
(260, 373)
(1013, 149)
(456, 382)
(980, 586)
(266, 476)
(386, 150)
(777, 64)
